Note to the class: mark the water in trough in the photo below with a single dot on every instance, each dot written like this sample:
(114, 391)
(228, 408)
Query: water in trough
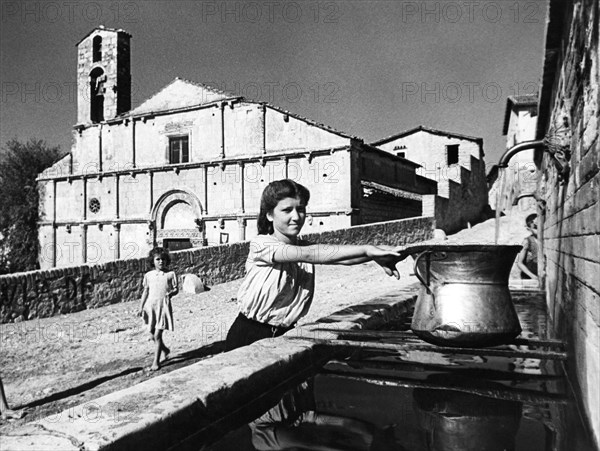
(404, 394)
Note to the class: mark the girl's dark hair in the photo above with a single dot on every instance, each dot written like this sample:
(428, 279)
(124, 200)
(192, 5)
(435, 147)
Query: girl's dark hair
(272, 194)
(160, 252)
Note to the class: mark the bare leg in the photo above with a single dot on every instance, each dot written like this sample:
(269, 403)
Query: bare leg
(159, 345)
(166, 351)
(4, 409)
(3, 402)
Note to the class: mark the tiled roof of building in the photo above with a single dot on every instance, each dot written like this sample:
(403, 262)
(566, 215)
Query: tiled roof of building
(524, 101)
(178, 94)
(371, 148)
(182, 93)
(429, 130)
(307, 120)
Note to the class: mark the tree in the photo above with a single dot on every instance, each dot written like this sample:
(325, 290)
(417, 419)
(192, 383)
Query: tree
(20, 164)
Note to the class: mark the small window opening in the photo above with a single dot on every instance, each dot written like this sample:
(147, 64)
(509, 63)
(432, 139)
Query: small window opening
(97, 49)
(179, 149)
(452, 154)
(97, 90)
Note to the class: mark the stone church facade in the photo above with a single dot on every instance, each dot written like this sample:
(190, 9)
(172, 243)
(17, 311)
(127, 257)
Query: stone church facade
(186, 168)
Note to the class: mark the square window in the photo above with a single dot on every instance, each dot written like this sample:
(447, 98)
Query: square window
(452, 154)
(179, 149)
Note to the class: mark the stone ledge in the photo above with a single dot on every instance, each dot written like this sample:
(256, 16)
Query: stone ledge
(164, 411)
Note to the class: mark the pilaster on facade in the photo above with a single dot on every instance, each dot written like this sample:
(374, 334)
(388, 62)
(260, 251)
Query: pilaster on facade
(242, 188)
(151, 192)
(117, 191)
(242, 228)
(222, 109)
(133, 154)
(84, 241)
(53, 244)
(100, 158)
(117, 240)
(205, 189)
(286, 162)
(264, 127)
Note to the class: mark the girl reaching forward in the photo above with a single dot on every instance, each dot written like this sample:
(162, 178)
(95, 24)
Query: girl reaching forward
(279, 284)
(160, 285)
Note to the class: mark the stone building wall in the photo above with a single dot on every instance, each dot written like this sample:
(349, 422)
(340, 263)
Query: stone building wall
(514, 186)
(389, 188)
(50, 292)
(429, 150)
(135, 209)
(454, 205)
(569, 115)
(464, 202)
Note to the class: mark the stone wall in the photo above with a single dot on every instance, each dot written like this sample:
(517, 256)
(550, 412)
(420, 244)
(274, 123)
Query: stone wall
(571, 220)
(44, 293)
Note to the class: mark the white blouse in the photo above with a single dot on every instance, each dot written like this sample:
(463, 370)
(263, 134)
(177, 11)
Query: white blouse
(278, 294)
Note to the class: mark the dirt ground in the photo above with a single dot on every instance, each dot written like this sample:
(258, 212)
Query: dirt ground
(51, 364)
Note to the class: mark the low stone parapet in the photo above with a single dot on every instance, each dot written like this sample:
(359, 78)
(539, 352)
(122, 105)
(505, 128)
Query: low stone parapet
(44, 293)
(172, 409)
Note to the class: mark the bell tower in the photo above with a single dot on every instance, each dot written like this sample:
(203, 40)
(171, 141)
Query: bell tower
(103, 75)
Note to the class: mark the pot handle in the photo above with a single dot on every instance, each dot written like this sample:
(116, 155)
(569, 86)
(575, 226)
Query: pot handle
(418, 274)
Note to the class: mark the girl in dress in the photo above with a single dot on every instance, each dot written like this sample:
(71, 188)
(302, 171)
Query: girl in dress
(279, 284)
(160, 285)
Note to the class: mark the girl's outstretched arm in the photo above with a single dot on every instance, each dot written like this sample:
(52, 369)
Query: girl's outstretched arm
(332, 254)
(359, 260)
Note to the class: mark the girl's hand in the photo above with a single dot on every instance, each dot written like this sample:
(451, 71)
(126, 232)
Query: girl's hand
(387, 257)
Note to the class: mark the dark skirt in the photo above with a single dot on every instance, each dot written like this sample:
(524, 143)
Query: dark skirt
(246, 331)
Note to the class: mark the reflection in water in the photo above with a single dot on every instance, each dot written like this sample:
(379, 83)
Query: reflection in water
(294, 423)
(417, 400)
(454, 420)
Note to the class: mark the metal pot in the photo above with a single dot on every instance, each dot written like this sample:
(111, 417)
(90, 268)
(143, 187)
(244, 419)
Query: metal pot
(464, 298)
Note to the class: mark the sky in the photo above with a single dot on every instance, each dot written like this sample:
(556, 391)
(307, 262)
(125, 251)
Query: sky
(367, 68)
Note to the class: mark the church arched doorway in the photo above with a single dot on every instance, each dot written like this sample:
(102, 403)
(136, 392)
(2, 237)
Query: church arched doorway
(177, 221)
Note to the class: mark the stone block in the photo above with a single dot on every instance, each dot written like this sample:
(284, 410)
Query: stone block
(588, 166)
(193, 284)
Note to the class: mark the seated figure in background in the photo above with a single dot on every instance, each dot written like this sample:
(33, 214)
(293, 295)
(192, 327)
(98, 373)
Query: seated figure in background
(528, 257)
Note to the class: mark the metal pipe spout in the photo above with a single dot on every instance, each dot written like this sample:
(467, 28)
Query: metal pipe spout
(505, 158)
(561, 155)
